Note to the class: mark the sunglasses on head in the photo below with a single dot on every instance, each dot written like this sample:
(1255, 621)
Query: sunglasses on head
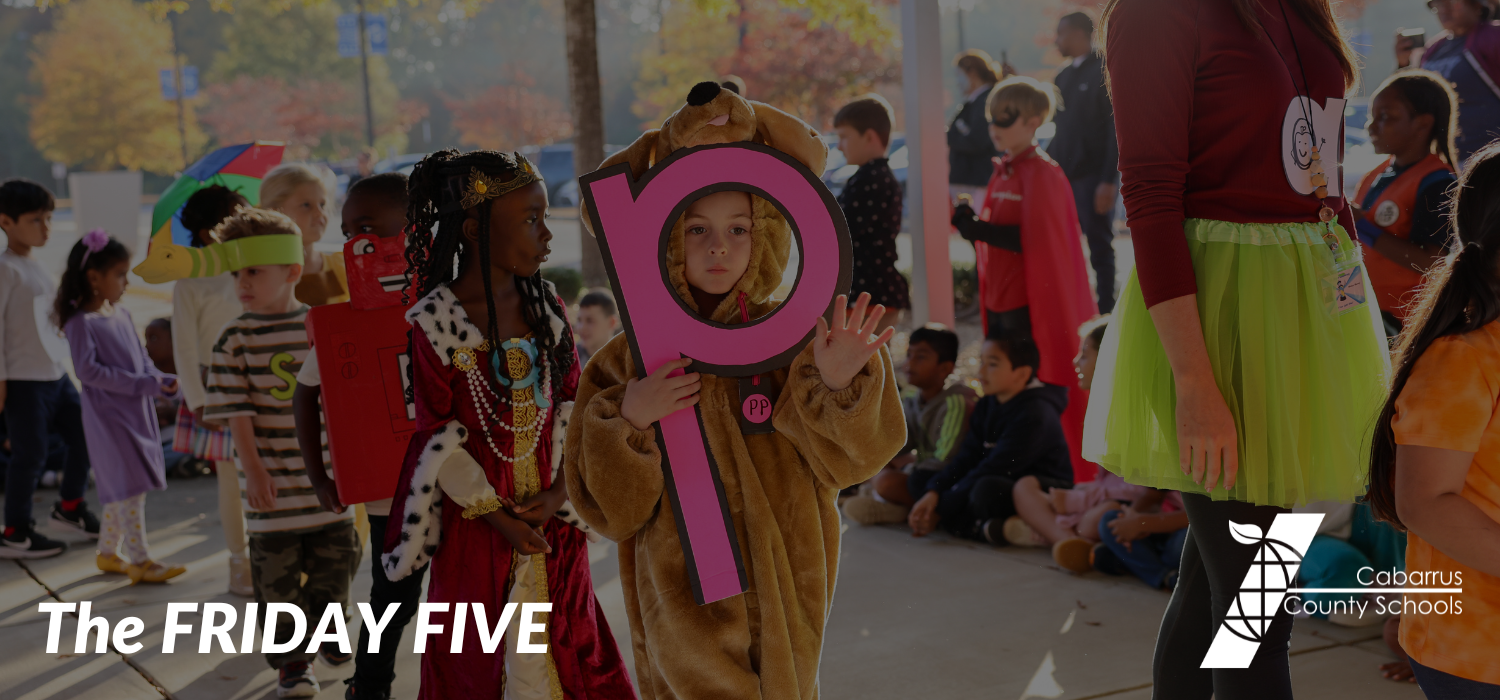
(1005, 119)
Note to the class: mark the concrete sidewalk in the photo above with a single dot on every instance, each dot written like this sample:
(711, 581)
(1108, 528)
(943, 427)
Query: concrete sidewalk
(928, 618)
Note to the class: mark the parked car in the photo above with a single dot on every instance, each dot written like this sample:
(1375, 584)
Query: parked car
(403, 163)
(838, 170)
(555, 163)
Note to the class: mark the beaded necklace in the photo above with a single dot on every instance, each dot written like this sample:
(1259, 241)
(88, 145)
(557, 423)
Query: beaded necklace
(466, 360)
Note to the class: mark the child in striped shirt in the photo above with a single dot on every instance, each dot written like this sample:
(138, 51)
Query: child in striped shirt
(250, 386)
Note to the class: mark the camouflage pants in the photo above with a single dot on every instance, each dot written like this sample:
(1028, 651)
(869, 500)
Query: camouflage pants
(327, 557)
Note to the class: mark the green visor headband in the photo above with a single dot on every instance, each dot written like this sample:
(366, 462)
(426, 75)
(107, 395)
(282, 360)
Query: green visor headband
(166, 261)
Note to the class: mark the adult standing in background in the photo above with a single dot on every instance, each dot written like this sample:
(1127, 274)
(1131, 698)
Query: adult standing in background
(1086, 148)
(1467, 54)
(971, 154)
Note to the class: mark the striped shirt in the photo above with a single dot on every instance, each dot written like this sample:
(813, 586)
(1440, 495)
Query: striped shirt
(254, 373)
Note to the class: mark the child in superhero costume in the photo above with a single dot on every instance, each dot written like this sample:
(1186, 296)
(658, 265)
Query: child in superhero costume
(1032, 278)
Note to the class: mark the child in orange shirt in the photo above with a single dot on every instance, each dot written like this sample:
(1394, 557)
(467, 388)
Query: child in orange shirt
(1435, 464)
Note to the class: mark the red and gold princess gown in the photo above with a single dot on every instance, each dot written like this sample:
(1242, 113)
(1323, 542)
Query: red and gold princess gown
(479, 439)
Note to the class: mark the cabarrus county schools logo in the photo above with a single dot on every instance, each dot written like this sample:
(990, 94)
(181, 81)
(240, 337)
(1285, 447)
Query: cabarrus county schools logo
(1274, 570)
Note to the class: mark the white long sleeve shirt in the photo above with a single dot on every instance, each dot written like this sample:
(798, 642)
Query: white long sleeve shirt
(201, 307)
(31, 347)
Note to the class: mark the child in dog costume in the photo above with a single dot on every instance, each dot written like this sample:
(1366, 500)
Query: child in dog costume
(780, 487)
(480, 494)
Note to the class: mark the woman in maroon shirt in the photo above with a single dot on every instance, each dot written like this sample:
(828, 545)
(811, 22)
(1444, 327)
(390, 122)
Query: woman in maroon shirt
(1245, 366)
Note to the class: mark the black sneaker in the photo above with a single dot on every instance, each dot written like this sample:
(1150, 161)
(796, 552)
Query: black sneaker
(296, 680)
(993, 531)
(330, 654)
(29, 544)
(351, 694)
(78, 520)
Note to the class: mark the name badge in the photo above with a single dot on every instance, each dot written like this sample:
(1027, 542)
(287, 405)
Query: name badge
(1350, 289)
(756, 405)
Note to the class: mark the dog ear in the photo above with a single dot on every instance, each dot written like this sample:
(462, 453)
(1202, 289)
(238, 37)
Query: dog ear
(641, 155)
(791, 136)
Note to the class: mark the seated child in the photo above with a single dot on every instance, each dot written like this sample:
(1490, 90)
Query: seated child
(1349, 539)
(597, 320)
(1016, 432)
(871, 201)
(1143, 538)
(937, 420)
(1068, 519)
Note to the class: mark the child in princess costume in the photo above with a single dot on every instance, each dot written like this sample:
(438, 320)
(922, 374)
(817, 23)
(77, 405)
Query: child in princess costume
(837, 418)
(493, 374)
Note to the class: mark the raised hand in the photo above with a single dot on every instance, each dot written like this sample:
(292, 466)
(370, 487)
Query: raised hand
(841, 352)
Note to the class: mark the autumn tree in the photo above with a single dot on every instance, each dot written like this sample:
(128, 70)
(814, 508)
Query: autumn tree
(100, 106)
(511, 114)
(790, 58)
(313, 96)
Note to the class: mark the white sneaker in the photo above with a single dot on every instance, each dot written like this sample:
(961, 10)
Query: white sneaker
(1018, 533)
(867, 510)
(240, 582)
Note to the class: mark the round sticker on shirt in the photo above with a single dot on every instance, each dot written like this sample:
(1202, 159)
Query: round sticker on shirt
(1387, 213)
(1297, 143)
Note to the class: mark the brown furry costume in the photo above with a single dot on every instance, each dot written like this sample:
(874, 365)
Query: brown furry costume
(781, 487)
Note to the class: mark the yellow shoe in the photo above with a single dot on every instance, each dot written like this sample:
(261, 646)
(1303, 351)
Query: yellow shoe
(153, 572)
(111, 564)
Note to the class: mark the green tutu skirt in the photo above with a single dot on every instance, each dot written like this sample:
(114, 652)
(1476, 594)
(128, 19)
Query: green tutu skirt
(1301, 365)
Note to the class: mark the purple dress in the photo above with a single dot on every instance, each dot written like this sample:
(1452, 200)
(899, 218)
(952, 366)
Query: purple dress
(119, 418)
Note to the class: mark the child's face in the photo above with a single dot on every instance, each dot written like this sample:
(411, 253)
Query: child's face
(366, 214)
(519, 237)
(266, 289)
(1392, 126)
(717, 239)
(1084, 362)
(308, 207)
(1017, 137)
(594, 327)
(859, 147)
(923, 368)
(997, 377)
(110, 283)
(158, 344)
(31, 230)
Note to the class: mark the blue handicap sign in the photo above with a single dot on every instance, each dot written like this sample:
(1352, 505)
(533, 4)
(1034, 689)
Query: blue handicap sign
(375, 29)
(348, 35)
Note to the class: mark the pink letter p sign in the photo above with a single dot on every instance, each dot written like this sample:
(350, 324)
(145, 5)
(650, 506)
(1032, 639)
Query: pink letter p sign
(634, 221)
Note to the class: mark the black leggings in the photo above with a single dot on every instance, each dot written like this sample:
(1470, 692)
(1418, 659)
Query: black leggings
(1213, 567)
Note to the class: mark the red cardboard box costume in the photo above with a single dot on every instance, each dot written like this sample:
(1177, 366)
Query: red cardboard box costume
(1029, 190)
(361, 344)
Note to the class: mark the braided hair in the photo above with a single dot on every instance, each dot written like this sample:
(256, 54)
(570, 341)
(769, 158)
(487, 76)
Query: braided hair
(434, 247)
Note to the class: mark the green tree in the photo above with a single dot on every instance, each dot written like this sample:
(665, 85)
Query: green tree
(100, 108)
(296, 45)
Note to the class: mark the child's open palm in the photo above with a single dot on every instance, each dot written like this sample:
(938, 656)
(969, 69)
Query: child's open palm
(842, 352)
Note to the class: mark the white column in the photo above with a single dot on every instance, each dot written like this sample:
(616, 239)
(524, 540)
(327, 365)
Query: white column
(927, 175)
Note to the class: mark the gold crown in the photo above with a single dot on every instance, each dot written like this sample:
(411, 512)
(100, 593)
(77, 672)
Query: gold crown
(482, 187)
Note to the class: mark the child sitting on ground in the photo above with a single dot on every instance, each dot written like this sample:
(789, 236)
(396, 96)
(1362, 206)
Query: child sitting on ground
(1016, 432)
(937, 420)
(597, 320)
(1068, 519)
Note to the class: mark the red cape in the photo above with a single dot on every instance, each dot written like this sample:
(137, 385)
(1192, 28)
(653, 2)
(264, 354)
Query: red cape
(1031, 191)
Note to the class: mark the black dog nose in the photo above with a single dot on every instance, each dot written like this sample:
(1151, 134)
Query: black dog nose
(703, 93)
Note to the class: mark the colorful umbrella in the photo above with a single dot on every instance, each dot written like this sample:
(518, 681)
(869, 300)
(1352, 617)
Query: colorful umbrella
(239, 168)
